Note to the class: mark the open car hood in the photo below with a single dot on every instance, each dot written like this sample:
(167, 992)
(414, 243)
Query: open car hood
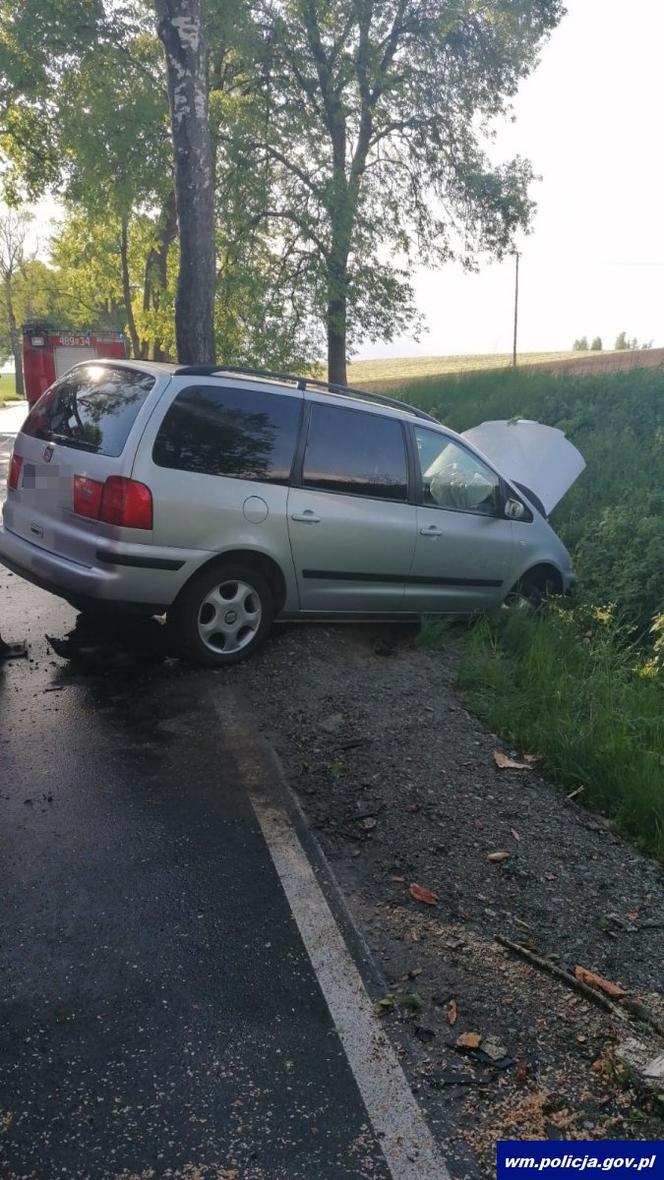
(539, 458)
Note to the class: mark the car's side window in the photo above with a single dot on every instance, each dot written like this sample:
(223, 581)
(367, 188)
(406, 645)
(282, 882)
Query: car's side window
(355, 452)
(219, 430)
(453, 477)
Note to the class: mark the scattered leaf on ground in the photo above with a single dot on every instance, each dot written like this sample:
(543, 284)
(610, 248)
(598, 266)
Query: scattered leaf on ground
(468, 1040)
(386, 1004)
(497, 857)
(414, 972)
(479, 824)
(550, 876)
(413, 807)
(401, 880)
(421, 893)
(599, 983)
(452, 1012)
(515, 835)
(531, 759)
(633, 915)
(521, 1073)
(504, 762)
(368, 823)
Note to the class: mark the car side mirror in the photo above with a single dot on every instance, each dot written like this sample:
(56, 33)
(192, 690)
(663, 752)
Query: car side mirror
(515, 510)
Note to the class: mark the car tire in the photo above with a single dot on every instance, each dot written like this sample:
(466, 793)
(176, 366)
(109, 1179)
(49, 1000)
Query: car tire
(223, 615)
(529, 595)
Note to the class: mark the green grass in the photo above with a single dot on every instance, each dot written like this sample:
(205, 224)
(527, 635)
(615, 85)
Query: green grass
(7, 388)
(580, 687)
(595, 719)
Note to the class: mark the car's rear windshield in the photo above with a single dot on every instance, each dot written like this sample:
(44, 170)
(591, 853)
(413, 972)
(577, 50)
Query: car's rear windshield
(90, 409)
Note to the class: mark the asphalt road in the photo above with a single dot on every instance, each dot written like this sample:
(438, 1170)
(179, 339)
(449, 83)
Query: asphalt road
(169, 961)
(160, 1014)
(159, 1010)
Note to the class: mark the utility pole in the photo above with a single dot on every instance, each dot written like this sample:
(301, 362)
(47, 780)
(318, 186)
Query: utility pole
(516, 305)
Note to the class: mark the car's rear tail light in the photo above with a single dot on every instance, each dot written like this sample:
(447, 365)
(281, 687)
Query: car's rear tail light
(15, 465)
(87, 496)
(126, 502)
(121, 501)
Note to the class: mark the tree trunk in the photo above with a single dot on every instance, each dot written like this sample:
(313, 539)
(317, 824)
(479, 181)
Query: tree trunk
(336, 340)
(15, 339)
(181, 31)
(126, 289)
(156, 266)
(337, 316)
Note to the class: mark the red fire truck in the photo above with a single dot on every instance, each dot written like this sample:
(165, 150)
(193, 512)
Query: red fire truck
(48, 353)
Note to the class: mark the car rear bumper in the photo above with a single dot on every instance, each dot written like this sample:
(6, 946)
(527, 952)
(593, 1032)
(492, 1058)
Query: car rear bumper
(122, 575)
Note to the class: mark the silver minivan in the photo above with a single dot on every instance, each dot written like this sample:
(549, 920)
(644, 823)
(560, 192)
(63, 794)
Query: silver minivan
(228, 498)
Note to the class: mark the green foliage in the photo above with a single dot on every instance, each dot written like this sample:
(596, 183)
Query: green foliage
(580, 345)
(583, 686)
(621, 342)
(596, 345)
(347, 135)
(368, 130)
(579, 702)
(7, 388)
(611, 519)
(34, 295)
(85, 272)
(657, 631)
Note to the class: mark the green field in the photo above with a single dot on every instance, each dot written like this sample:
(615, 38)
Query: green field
(583, 686)
(7, 388)
(407, 369)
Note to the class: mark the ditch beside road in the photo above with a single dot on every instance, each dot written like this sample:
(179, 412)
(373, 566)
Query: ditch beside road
(400, 785)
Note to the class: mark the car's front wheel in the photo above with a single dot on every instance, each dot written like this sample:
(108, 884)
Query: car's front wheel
(530, 594)
(222, 615)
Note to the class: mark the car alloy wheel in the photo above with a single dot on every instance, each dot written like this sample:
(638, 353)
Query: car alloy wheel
(229, 617)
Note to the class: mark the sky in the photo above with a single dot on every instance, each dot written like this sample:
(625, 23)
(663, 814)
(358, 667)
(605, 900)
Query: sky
(589, 119)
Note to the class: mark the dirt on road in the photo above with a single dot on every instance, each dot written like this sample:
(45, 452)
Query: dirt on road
(400, 784)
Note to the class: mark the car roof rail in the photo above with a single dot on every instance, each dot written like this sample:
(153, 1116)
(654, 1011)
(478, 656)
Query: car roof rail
(303, 383)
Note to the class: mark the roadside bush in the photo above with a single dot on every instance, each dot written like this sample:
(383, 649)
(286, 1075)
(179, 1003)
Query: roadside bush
(596, 721)
(620, 559)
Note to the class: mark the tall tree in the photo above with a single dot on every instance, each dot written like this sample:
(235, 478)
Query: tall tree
(13, 259)
(374, 116)
(180, 29)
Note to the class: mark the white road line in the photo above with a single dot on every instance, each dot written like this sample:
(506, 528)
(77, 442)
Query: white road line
(406, 1141)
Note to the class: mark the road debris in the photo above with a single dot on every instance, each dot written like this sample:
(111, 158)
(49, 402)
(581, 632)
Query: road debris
(605, 985)
(493, 1048)
(468, 1040)
(648, 1067)
(504, 762)
(421, 893)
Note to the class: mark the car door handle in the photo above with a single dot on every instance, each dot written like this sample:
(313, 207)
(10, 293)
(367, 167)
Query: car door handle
(431, 531)
(306, 517)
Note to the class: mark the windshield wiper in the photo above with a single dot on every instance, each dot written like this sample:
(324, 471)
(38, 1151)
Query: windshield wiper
(66, 440)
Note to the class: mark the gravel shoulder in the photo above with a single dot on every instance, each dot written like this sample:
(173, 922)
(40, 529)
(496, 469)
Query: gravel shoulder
(399, 784)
